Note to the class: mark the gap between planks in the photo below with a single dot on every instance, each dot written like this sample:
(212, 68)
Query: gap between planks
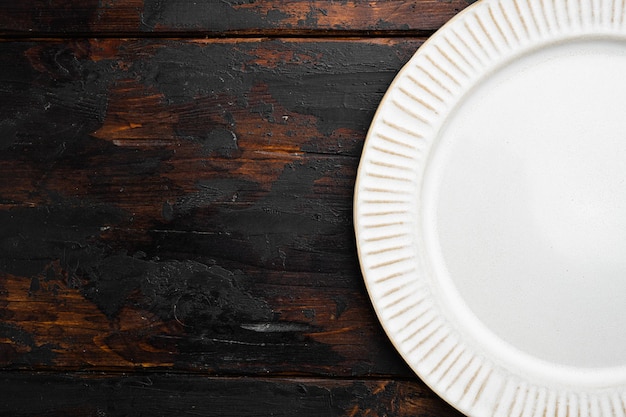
(224, 36)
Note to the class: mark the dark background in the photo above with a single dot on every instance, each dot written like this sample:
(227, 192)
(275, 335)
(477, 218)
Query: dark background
(176, 183)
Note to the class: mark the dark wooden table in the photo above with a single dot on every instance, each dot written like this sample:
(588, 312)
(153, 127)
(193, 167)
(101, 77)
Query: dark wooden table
(176, 184)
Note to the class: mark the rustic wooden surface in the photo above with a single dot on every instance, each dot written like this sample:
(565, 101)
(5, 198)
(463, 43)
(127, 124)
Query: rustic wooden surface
(223, 17)
(176, 186)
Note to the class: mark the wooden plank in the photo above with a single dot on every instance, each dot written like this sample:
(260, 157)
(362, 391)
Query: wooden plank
(187, 205)
(30, 17)
(168, 395)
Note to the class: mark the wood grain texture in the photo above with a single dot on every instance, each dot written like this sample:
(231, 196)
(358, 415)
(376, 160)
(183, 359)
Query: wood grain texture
(175, 395)
(188, 205)
(224, 17)
(176, 184)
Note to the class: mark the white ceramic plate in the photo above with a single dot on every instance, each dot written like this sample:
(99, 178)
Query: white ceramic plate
(490, 209)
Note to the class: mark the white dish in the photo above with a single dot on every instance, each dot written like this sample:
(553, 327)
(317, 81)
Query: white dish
(490, 209)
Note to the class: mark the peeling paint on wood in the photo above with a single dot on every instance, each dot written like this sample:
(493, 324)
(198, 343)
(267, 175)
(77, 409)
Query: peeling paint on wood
(169, 394)
(190, 202)
(226, 17)
(176, 187)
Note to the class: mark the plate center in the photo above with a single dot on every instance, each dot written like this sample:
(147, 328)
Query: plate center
(528, 203)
